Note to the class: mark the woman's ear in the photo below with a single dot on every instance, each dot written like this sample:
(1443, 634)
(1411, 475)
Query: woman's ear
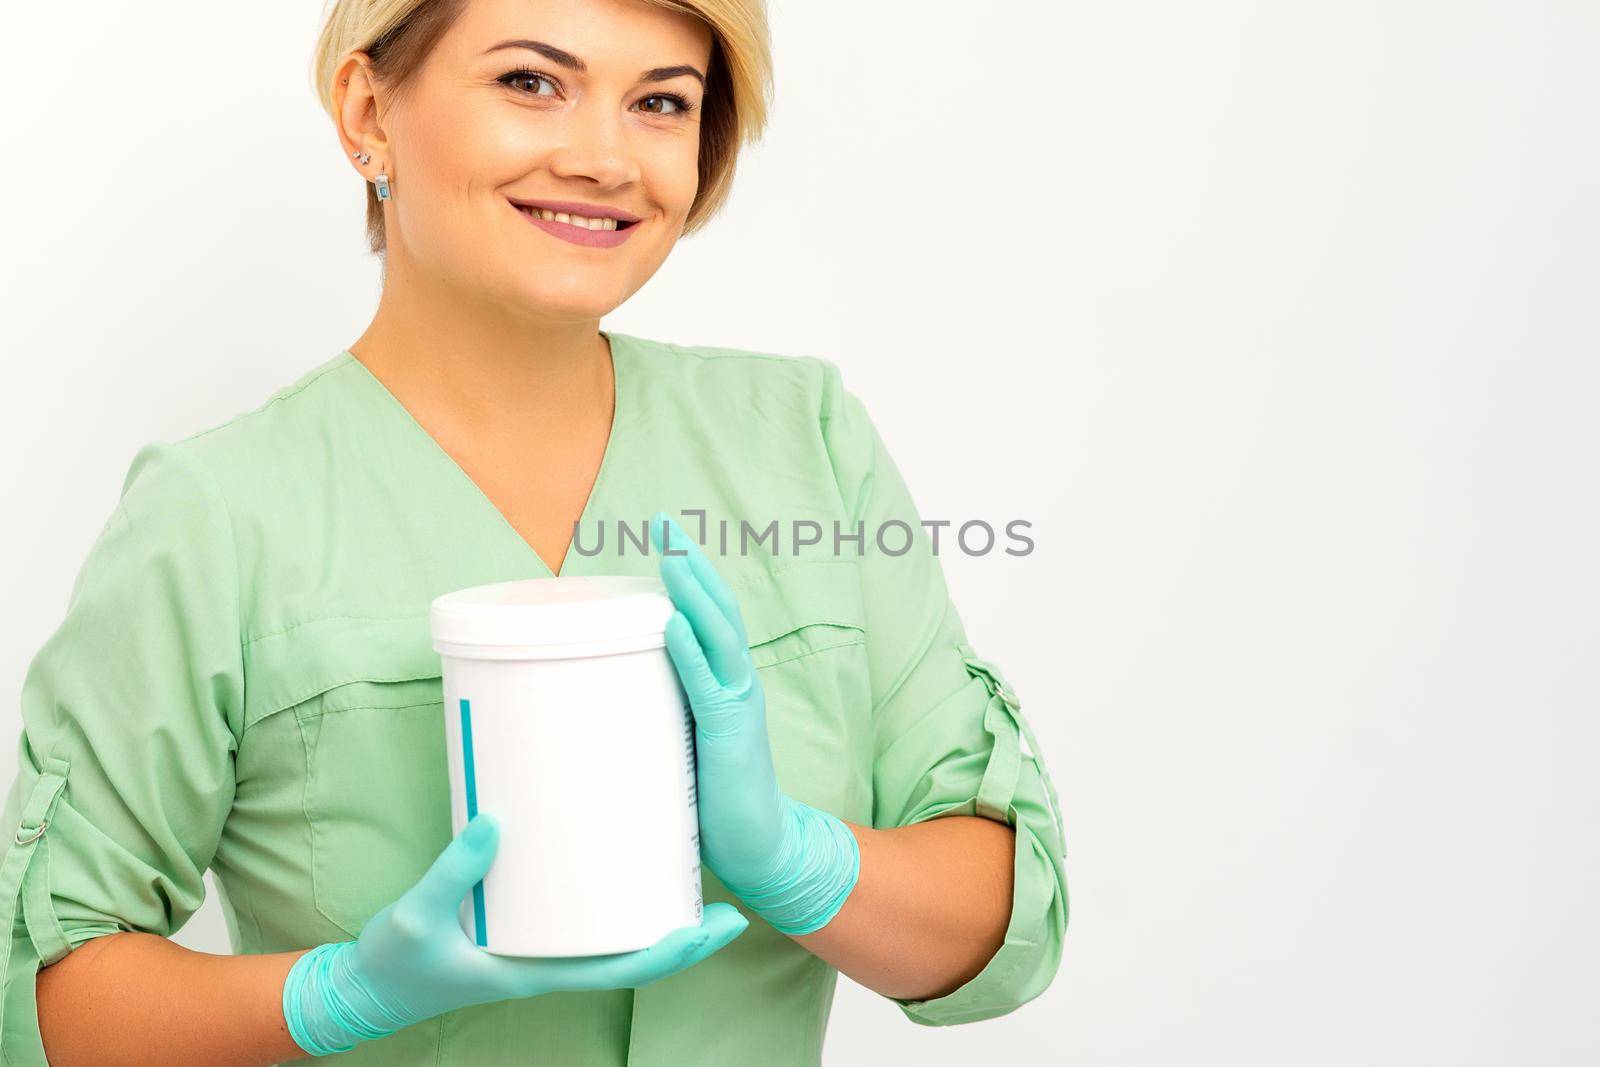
(358, 110)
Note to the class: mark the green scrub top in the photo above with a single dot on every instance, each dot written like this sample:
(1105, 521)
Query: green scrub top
(244, 681)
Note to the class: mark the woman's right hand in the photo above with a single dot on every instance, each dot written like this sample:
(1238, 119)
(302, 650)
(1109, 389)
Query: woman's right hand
(413, 961)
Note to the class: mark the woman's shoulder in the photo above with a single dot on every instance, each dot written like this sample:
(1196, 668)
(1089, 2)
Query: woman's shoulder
(761, 379)
(256, 458)
(283, 413)
(727, 357)
(290, 428)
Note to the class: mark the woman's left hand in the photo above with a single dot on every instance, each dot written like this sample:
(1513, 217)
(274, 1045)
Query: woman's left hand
(791, 863)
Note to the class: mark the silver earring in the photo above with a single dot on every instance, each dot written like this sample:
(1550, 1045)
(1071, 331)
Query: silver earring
(363, 157)
(382, 181)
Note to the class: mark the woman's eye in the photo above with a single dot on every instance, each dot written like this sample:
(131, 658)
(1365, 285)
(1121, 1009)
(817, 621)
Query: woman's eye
(527, 76)
(674, 101)
(680, 106)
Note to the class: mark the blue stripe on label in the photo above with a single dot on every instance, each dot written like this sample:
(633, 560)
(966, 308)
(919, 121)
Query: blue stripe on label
(480, 921)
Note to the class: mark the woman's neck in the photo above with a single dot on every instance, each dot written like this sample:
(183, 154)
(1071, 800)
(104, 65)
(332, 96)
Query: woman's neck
(471, 368)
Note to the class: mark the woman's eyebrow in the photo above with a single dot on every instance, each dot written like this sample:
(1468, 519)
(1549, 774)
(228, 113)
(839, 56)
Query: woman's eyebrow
(572, 62)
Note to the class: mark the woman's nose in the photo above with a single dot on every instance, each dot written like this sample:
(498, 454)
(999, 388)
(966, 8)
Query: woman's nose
(594, 145)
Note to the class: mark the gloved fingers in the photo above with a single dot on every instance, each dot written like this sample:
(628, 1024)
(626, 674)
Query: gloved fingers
(720, 923)
(719, 640)
(690, 660)
(717, 713)
(462, 865)
(704, 575)
(666, 533)
(710, 580)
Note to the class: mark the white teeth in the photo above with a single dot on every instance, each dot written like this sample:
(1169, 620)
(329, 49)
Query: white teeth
(572, 220)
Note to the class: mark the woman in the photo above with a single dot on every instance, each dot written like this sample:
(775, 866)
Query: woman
(244, 680)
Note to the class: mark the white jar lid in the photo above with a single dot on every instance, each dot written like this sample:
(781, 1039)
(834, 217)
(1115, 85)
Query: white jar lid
(540, 617)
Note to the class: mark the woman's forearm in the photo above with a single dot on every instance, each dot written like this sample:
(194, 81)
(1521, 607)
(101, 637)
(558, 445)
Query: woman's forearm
(929, 909)
(132, 998)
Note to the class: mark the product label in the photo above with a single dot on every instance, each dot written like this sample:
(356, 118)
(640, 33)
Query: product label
(694, 807)
(688, 755)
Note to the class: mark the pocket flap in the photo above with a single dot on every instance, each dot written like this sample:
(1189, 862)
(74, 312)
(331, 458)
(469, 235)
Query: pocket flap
(797, 593)
(285, 668)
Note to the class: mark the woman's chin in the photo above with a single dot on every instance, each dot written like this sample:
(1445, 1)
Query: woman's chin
(568, 306)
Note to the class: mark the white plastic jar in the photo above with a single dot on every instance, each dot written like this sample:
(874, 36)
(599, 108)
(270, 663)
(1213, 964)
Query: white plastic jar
(565, 718)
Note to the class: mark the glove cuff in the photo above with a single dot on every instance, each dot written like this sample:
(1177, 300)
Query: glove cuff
(821, 863)
(320, 1018)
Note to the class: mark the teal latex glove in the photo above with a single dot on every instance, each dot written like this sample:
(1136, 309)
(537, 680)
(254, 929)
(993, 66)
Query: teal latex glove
(793, 864)
(413, 961)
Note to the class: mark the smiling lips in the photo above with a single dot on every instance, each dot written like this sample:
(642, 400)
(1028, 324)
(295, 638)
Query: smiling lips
(607, 235)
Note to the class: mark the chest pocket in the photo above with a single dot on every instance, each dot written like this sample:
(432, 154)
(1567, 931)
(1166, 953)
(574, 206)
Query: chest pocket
(807, 628)
(366, 696)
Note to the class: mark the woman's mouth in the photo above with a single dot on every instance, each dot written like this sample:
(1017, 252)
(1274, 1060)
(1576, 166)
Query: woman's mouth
(577, 229)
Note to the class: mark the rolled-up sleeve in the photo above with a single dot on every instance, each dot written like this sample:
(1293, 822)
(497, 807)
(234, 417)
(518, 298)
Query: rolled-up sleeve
(950, 736)
(130, 724)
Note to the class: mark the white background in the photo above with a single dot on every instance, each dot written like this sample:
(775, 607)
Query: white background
(1278, 320)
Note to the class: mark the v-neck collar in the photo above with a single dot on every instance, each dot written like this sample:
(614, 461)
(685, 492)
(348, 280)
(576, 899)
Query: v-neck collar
(621, 419)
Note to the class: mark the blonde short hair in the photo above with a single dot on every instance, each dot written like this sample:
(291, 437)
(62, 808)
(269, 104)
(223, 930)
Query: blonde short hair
(397, 35)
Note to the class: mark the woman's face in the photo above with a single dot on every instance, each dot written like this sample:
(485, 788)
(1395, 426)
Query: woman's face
(489, 120)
